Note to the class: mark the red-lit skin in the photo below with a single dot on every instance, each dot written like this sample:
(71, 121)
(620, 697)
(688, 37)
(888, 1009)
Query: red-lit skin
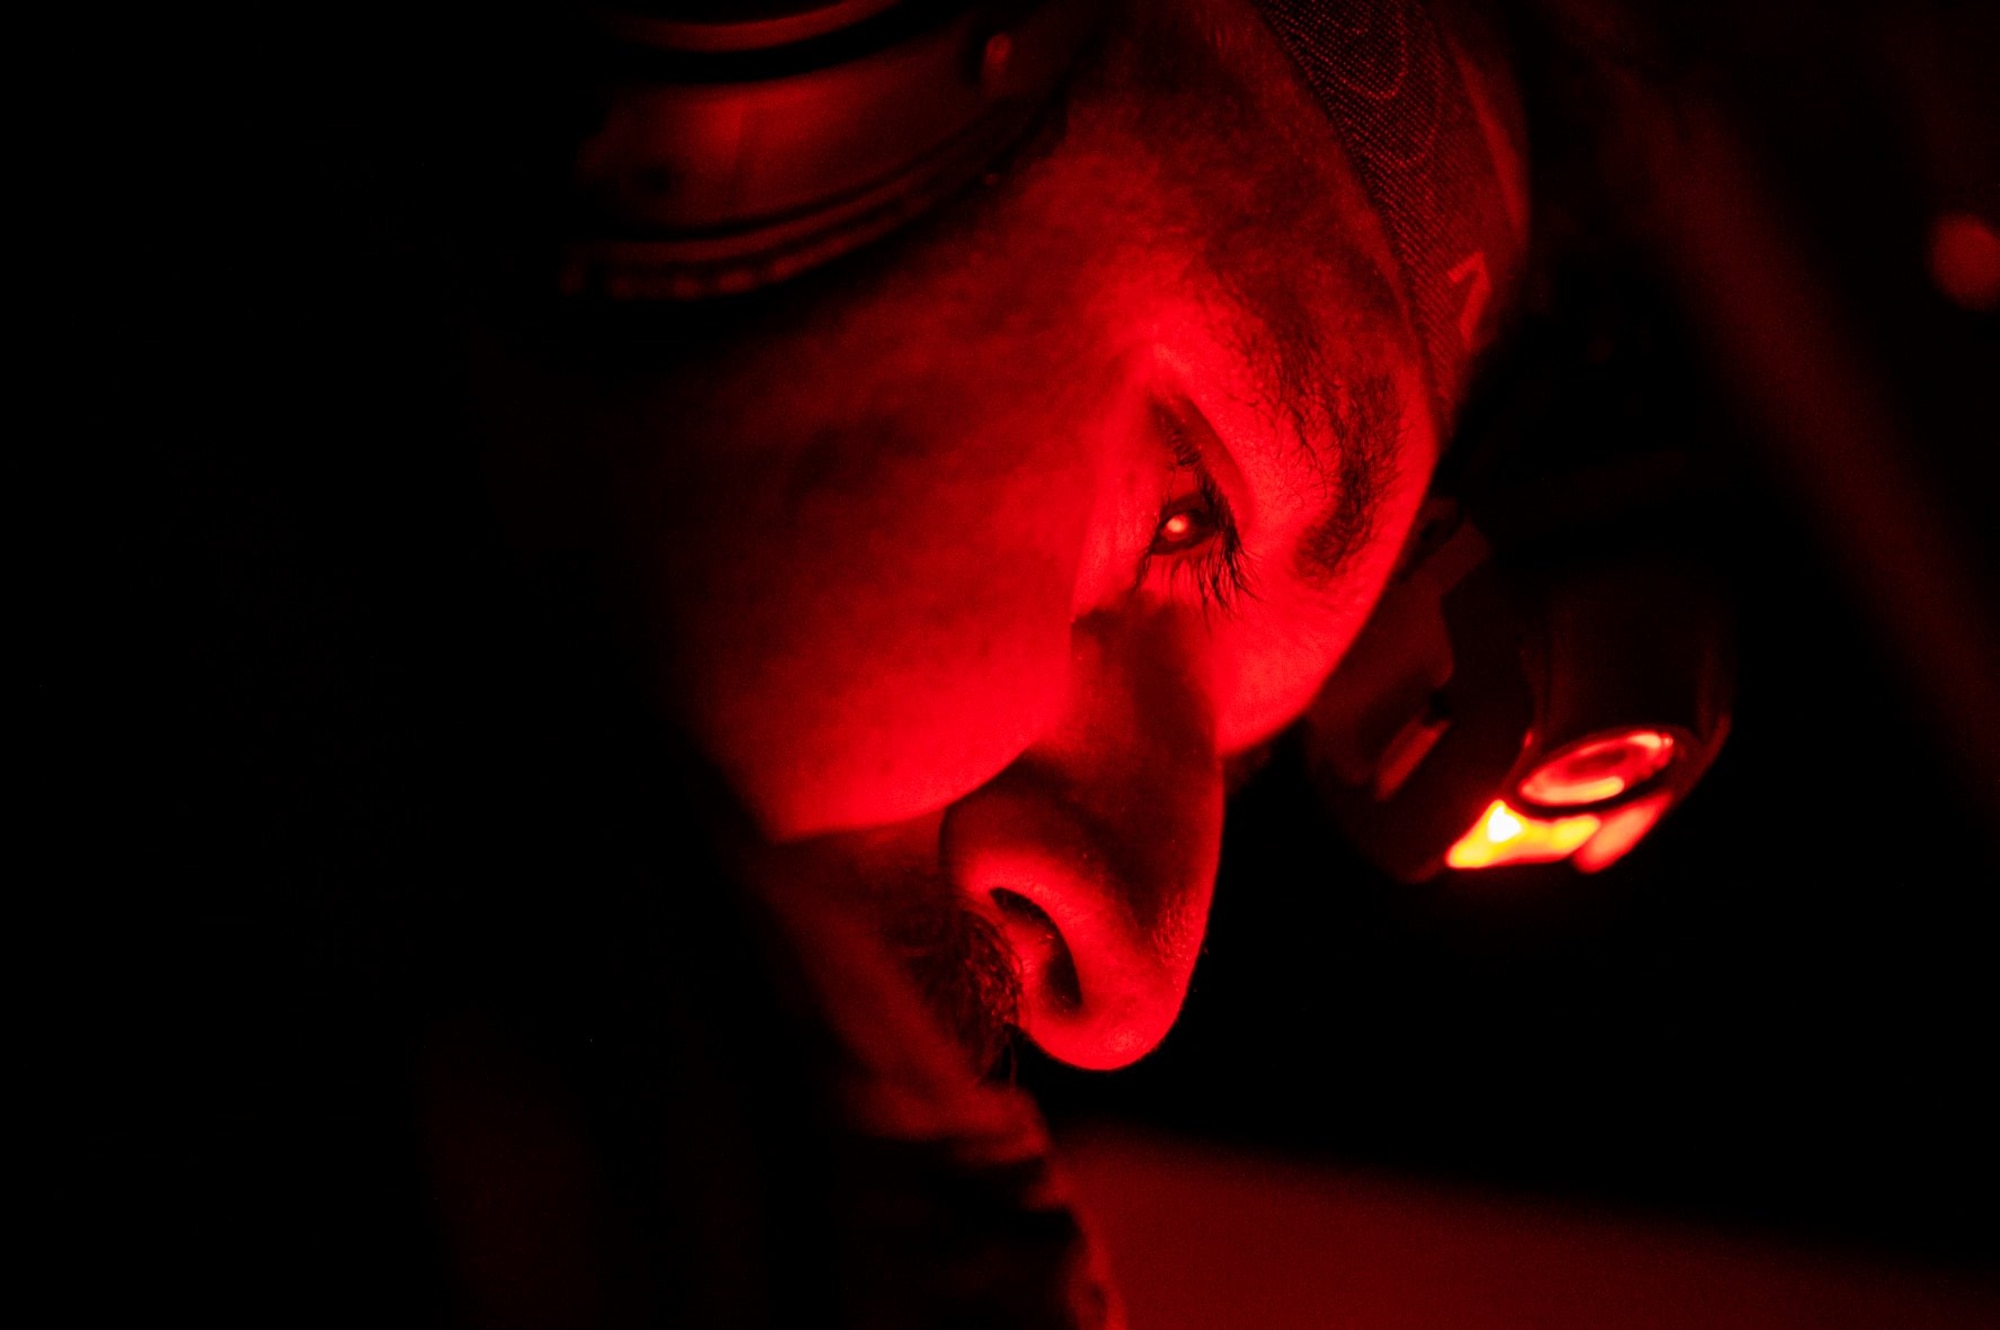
(892, 547)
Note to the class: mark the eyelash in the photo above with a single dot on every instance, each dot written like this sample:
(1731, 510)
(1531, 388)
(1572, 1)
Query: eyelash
(1214, 564)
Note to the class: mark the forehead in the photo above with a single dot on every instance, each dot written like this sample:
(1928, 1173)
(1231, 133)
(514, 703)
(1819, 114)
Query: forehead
(1191, 197)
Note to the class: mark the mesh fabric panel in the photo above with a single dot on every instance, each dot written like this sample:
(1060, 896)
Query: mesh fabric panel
(1395, 89)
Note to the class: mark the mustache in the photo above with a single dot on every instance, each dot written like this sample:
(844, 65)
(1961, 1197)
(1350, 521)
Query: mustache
(967, 973)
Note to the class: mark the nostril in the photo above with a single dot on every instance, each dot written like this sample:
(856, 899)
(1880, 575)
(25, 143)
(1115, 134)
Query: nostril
(1048, 969)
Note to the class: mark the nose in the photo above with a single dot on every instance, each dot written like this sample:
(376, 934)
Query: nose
(1095, 851)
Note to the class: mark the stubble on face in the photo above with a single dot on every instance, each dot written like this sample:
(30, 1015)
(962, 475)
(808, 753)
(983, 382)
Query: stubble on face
(879, 903)
(968, 976)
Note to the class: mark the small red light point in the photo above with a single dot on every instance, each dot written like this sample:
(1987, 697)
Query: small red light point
(1965, 261)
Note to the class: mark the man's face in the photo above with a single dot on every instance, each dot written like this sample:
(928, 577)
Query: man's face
(972, 575)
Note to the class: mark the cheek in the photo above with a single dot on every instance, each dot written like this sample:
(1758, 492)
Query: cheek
(869, 647)
(1273, 667)
(1274, 660)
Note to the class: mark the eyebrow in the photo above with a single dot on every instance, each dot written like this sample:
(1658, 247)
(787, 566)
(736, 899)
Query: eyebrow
(1351, 432)
(1367, 431)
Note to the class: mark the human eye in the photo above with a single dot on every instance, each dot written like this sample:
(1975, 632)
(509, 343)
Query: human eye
(1196, 550)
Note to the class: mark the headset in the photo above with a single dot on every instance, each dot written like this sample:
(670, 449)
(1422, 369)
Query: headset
(732, 153)
(1549, 670)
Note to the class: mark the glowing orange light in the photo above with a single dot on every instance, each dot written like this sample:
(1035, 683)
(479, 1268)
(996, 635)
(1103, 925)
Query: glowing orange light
(1623, 828)
(1598, 769)
(1505, 835)
(1177, 526)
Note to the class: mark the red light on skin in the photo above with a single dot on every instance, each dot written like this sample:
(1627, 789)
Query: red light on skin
(1623, 828)
(1598, 769)
(1505, 835)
